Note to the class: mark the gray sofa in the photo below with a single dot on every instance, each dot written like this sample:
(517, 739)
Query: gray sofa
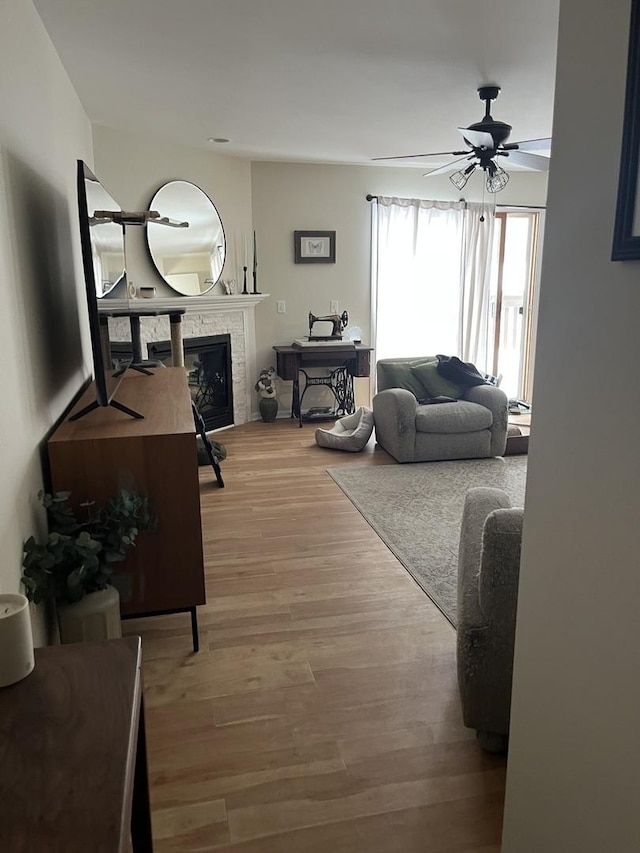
(474, 426)
(488, 575)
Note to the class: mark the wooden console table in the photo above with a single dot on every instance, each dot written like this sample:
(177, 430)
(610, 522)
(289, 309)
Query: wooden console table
(345, 362)
(93, 458)
(73, 764)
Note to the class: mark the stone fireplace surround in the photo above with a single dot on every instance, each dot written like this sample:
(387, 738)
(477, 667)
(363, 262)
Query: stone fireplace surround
(204, 315)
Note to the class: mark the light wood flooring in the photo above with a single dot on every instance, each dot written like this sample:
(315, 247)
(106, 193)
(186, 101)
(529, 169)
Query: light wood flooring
(321, 713)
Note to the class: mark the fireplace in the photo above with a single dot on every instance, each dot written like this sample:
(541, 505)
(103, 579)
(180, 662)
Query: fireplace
(210, 314)
(207, 361)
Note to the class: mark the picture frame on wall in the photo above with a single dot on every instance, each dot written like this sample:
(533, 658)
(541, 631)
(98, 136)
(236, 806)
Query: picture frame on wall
(314, 247)
(626, 232)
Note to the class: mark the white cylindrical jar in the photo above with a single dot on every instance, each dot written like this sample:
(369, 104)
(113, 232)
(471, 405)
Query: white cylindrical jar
(16, 641)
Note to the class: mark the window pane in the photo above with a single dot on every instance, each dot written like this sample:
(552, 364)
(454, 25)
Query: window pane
(515, 280)
(418, 300)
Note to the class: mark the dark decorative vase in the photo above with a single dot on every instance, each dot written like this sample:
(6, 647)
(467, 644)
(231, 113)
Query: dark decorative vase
(268, 409)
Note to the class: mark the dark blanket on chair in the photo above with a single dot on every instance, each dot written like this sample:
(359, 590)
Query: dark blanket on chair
(461, 372)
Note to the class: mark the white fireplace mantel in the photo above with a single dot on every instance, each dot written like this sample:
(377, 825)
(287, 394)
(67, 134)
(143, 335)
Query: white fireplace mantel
(201, 306)
(189, 304)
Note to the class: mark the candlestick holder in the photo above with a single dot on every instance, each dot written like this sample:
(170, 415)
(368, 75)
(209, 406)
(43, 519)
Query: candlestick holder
(255, 282)
(244, 281)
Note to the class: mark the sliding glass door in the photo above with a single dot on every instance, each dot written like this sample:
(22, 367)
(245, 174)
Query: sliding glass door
(513, 265)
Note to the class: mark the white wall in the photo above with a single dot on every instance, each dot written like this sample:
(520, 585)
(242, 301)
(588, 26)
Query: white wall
(574, 763)
(293, 196)
(43, 129)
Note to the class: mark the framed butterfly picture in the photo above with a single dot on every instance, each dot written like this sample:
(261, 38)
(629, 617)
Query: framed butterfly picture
(314, 247)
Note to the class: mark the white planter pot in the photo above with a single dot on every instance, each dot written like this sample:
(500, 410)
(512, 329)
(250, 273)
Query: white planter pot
(95, 617)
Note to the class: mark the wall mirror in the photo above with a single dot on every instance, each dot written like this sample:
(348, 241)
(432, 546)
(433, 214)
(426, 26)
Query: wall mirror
(189, 259)
(107, 238)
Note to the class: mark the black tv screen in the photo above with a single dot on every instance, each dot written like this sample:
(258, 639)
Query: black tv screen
(102, 244)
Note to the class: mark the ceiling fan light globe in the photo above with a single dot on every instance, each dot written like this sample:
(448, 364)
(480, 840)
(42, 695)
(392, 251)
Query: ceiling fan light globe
(459, 179)
(497, 181)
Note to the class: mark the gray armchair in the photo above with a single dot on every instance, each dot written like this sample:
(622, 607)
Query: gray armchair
(488, 575)
(474, 426)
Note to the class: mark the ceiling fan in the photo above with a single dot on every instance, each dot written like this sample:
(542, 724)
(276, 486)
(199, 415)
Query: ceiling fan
(487, 142)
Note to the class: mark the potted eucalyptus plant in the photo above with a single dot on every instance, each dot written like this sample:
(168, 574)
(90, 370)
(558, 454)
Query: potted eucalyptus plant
(72, 569)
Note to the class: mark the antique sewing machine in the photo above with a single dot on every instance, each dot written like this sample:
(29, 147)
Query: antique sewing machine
(338, 325)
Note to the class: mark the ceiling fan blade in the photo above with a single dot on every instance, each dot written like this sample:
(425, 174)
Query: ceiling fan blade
(477, 138)
(529, 145)
(529, 161)
(448, 167)
(417, 156)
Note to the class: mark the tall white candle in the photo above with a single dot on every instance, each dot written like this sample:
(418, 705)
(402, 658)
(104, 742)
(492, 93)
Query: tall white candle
(246, 251)
(16, 642)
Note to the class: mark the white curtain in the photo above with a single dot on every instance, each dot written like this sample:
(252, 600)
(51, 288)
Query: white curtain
(476, 324)
(431, 275)
(417, 277)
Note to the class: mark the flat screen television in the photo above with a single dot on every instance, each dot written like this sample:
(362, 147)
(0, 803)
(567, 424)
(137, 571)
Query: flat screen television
(102, 242)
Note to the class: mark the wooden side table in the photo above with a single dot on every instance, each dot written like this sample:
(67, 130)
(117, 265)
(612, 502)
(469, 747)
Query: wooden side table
(73, 764)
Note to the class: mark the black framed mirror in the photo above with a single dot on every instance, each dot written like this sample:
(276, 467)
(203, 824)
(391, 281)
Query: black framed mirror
(190, 259)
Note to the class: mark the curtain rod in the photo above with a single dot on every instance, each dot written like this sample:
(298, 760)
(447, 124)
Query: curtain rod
(371, 197)
(524, 206)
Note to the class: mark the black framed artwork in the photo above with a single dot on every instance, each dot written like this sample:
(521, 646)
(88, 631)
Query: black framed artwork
(314, 247)
(626, 232)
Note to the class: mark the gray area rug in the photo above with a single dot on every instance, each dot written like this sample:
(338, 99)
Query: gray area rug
(416, 509)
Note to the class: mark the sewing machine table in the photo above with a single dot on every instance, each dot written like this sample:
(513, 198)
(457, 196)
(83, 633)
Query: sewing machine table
(343, 362)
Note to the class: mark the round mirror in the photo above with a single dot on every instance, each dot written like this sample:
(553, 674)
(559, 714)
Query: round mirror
(107, 238)
(189, 258)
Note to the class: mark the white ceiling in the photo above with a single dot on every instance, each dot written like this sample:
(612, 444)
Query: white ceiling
(336, 81)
